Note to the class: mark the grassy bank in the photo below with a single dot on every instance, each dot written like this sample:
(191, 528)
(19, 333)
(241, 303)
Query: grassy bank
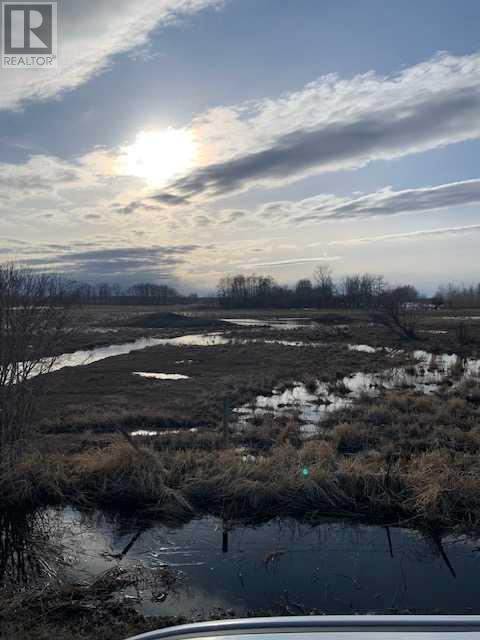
(406, 456)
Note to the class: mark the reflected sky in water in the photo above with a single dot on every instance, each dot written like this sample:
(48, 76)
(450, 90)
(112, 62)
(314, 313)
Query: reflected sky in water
(314, 403)
(334, 567)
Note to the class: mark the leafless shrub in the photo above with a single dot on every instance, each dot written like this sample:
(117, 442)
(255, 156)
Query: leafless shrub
(400, 317)
(34, 318)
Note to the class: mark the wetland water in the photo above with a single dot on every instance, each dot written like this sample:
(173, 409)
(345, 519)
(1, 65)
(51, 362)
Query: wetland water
(86, 357)
(311, 404)
(333, 567)
(274, 323)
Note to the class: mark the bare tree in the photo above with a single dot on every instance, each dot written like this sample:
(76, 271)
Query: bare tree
(458, 296)
(324, 284)
(34, 319)
(400, 317)
(356, 291)
(304, 292)
(247, 291)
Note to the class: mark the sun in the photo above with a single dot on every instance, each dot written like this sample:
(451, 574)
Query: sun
(159, 156)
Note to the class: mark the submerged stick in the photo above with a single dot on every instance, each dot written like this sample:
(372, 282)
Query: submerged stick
(438, 543)
(389, 538)
(126, 549)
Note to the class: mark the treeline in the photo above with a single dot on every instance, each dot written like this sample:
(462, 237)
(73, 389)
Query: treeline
(354, 291)
(140, 293)
(458, 297)
(58, 289)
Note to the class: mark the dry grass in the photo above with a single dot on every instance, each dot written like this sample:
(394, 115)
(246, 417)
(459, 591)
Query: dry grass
(399, 456)
(33, 480)
(288, 481)
(125, 476)
(446, 485)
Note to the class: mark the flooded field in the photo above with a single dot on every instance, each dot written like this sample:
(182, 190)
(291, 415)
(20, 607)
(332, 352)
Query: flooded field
(347, 427)
(86, 357)
(332, 567)
(239, 314)
(311, 405)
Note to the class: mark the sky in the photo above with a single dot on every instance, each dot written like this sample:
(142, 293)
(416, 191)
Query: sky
(180, 141)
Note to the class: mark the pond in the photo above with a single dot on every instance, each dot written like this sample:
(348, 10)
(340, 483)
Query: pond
(333, 567)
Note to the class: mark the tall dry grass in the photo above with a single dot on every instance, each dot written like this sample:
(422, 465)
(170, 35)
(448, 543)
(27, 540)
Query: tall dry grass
(125, 476)
(402, 456)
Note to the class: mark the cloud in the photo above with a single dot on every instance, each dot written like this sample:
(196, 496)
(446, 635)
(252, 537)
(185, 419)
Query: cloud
(334, 124)
(330, 124)
(90, 35)
(410, 235)
(125, 264)
(169, 198)
(292, 261)
(387, 202)
(128, 253)
(128, 209)
(13, 241)
(67, 192)
(39, 175)
(332, 208)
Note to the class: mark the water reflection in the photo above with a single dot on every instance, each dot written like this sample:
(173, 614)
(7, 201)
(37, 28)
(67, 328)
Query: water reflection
(364, 348)
(94, 355)
(333, 567)
(28, 556)
(160, 376)
(86, 357)
(89, 356)
(147, 433)
(313, 404)
(273, 323)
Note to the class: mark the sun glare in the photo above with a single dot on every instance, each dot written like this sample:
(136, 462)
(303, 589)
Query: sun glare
(159, 156)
